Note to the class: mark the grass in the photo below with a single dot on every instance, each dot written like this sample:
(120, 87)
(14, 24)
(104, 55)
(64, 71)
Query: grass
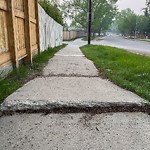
(92, 38)
(145, 40)
(129, 71)
(18, 77)
(71, 39)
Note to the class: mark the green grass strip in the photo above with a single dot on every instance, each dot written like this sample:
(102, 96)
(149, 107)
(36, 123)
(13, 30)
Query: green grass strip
(145, 40)
(24, 73)
(92, 38)
(129, 71)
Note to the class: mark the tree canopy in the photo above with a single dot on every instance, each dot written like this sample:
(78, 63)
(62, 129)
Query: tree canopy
(129, 23)
(103, 13)
(126, 21)
(143, 24)
(147, 10)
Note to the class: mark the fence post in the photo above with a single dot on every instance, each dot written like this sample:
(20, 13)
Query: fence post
(37, 25)
(28, 32)
(11, 33)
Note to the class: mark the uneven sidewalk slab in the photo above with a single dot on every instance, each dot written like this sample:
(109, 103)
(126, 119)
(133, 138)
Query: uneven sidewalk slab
(70, 66)
(70, 62)
(70, 50)
(78, 92)
(110, 131)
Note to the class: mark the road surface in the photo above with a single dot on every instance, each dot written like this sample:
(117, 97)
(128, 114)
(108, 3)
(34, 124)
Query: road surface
(120, 42)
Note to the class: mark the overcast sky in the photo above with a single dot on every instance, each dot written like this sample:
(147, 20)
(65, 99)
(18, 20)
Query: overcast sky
(135, 5)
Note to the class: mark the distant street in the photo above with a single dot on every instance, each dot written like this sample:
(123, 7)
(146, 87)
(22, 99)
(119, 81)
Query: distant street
(120, 42)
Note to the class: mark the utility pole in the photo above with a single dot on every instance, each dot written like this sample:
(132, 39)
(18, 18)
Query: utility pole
(89, 21)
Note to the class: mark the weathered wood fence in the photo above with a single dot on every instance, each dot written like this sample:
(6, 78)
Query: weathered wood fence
(19, 31)
(69, 35)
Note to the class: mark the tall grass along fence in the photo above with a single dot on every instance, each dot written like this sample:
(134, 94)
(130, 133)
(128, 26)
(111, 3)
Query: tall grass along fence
(19, 33)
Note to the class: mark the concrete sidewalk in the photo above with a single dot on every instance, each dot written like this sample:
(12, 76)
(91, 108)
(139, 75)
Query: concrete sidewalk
(112, 131)
(69, 80)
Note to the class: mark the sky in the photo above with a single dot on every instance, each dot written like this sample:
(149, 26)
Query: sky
(135, 5)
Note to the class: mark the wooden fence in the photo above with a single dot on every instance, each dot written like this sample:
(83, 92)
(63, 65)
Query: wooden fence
(19, 31)
(70, 35)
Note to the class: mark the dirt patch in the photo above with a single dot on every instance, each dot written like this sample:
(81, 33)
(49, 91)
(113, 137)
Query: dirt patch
(90, 110)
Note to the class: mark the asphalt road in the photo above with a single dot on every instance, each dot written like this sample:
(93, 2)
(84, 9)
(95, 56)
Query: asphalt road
(120, 42)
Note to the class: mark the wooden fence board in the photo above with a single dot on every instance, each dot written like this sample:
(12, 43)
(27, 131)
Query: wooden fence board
(3, 32)
(19, 20)
(19, 4)
(33, 26)
(3, 5)
(20, 33)
(33, 34)
(4, 50)
(32, 7)
(20, 28)
(4, 58)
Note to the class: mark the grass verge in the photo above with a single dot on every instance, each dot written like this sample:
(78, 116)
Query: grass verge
(92, 38)
(23, 74)
(129, 71)
(71, 39)
(145, 40)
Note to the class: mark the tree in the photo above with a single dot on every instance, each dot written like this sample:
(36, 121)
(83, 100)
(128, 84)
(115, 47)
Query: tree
(143, 24)
(148, 6)
(126, 21)
(104, 12)
(131, 24)
(148, 15)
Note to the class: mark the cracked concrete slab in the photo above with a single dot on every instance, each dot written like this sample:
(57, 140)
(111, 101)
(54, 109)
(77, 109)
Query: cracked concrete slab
(70, 62)
(110, 131)
(69, 80)
(70, 50)
(70, 66)
(50, 92)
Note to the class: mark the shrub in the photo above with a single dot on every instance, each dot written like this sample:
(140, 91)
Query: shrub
(52, 11)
